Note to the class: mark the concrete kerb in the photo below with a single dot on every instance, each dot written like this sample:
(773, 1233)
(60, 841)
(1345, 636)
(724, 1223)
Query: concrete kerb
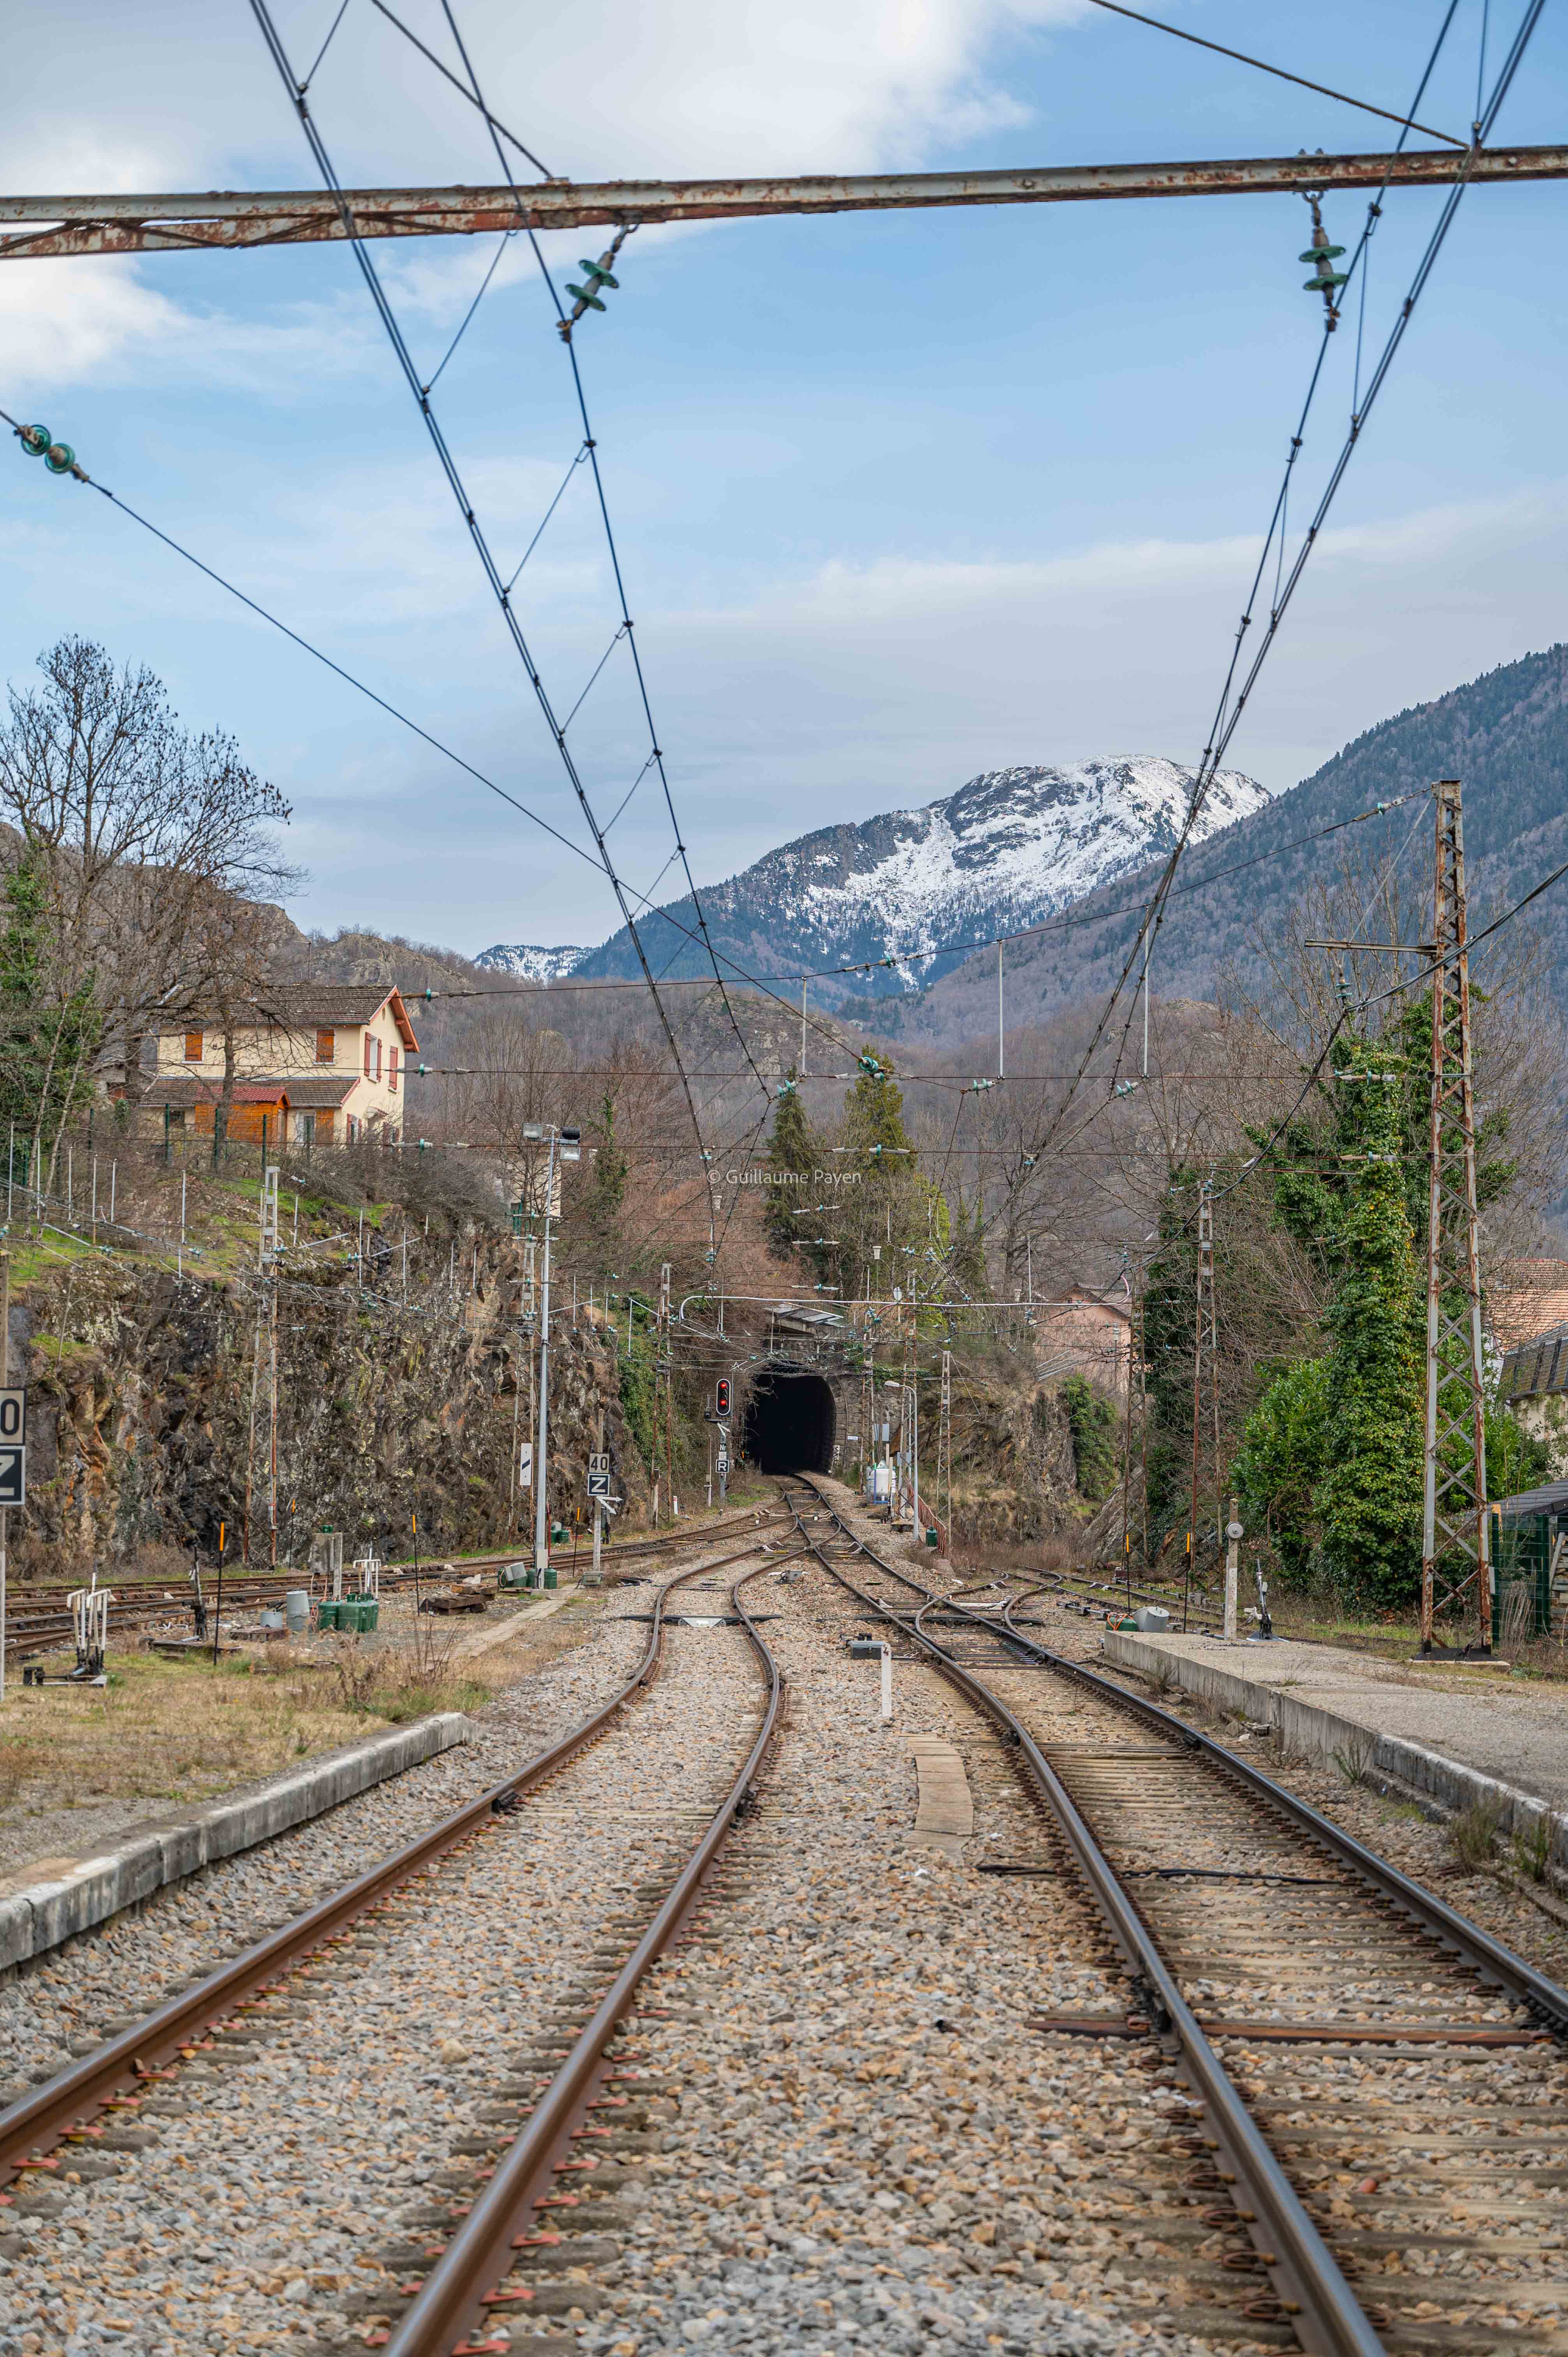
(1320, 1735)
(45, 1913)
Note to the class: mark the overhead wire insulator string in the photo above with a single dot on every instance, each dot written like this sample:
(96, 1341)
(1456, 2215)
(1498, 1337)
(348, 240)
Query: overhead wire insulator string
(1232, 704)
(450, 467)
(588, 439)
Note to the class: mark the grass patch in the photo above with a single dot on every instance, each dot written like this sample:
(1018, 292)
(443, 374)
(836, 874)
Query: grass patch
(170, 1729)
(1473, 1835)
(1532, 1849)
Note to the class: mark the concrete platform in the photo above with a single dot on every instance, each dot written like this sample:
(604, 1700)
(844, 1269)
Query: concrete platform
(1451, 1736)
(54, 1899)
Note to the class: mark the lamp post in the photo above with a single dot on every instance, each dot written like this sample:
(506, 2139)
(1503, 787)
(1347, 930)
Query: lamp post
(569, 1144)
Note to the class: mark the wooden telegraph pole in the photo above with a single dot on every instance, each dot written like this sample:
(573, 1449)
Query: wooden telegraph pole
(1456, 1535)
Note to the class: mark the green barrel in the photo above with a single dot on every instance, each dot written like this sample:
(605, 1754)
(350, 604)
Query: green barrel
(326, 1613)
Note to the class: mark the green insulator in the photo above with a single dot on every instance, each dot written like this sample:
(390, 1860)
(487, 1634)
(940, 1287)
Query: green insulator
(583, 295)
(34, 439)
(1321, 254)
(597, 273)
(60, 458)
(1329, 280)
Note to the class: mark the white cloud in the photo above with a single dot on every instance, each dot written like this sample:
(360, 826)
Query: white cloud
(679, 87)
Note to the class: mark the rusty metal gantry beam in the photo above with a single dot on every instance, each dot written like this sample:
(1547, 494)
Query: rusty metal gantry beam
(156, 224)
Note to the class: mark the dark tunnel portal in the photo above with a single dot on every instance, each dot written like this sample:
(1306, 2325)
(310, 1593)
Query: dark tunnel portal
(789, 1424)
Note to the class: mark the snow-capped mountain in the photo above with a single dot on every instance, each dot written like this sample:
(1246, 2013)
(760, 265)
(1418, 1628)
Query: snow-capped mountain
(1006, 850)
(531, 962)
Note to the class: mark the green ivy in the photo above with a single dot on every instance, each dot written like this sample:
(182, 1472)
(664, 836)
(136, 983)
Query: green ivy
(637, 1387)
(1282, 1461)
(1091, 1421)
(1370, 1497)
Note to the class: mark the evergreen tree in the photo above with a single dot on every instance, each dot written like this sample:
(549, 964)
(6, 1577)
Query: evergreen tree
(794, 1156)
(608, 1190)
(1370, 1496)
(47, 1042)
(1170, 1304)
(1281, 1463)
(882, 1216)
(967, 1275)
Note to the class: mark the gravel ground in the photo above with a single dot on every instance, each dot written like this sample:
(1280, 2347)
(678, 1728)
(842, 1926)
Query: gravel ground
(71, 2002)
(871, 2148)
(1422, 1847)
(245, 2227)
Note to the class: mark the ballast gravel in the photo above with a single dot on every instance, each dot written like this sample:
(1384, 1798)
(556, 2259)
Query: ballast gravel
(268, 2171)
(123, 1969)
(872, 2149)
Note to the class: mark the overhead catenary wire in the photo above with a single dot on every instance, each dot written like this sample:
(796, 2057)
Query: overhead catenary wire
(1233, 700)
(626, 628)
(450, 467)
(1408, 122)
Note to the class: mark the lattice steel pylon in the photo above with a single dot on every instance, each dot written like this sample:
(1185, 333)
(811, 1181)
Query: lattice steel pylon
(1456, 1545)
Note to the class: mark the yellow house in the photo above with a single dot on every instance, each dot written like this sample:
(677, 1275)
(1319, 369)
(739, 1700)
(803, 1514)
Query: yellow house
(320, 1061)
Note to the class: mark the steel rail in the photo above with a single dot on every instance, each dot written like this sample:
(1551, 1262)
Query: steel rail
(72, 225)
(1545, 1998)
(39, 2119)
(479, 2254)
(1323, 2310)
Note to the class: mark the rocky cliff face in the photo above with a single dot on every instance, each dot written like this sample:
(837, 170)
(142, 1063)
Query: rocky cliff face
(140, 1415)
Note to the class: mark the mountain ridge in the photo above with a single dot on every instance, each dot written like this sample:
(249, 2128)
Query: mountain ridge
(891, 893)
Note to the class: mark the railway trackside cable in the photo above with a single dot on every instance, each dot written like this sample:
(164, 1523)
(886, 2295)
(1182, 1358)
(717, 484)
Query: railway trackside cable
(1233, 700)
(627, 629)
(448, 464)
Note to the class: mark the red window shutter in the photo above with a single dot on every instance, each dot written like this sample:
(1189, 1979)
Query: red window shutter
(391, 1074)
(366, 1055)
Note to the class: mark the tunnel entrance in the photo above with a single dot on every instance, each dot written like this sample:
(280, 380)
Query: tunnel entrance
(790, 1423)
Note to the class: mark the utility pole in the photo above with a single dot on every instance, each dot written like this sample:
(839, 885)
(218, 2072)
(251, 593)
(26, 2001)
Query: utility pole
(944, 1446)
(1127, 1453)
(1203, 1340)
(5, 1381)
(541, 1507)
(271, 1246)
(598, 1502)
(1455, 1535)
(667, 1333)
(1232, 1566)
(564, 1145)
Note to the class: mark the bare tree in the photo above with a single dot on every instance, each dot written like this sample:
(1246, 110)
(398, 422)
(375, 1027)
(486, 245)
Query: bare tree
(138, 830)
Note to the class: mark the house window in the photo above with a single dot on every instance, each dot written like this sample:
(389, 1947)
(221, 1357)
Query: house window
(355, 1126)
(325, 1045)
(391, 1070)
(193, 1047)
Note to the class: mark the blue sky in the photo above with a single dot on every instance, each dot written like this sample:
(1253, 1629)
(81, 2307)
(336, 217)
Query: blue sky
(898, 498)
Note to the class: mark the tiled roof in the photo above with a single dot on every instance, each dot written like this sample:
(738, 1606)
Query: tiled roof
(1538, 1366)
(303, 1006)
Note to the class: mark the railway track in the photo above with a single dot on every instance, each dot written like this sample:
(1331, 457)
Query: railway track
(38, 1620)
(646, 1788)
(1372, 2092)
